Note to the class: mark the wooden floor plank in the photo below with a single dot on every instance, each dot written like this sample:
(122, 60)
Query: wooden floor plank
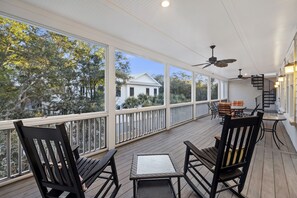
(281, 186)
(248, 178)
(257, 174)
(291, 175)
(268, 176)
(270, 173)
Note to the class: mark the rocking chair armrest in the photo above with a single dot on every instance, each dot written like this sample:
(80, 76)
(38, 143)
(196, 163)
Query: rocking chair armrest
(198, 153)
(101, 165)
(75, 151)
(218, 139)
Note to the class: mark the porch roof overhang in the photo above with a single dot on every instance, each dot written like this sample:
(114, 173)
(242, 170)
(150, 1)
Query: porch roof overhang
(257, 34)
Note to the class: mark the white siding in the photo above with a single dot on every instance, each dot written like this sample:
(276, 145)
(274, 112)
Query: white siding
(140, 83)
(243, 90)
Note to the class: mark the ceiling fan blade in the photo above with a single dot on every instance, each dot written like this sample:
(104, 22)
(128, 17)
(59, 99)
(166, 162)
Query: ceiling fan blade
(221, 64)
(235, 79)
(200, 64)
(246, 77)
(207, 65)
(227, 60)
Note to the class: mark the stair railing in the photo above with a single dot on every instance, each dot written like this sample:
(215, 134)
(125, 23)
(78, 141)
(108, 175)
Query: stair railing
(258, 100)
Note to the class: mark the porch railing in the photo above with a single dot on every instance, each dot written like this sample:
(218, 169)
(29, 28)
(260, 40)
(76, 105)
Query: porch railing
(201, 109)
(86, 130)
(180, 113)
(89, 131)
(137, 123)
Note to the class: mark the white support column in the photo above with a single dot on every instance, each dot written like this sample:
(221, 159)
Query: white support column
(194, 94)
(295, 80)
(110, 93)
(167, 94)
(220, 89)
(209, 89)
(227, 90)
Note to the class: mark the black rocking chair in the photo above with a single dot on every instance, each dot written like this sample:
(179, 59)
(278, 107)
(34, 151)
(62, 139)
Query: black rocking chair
(60, 170)
(228, 160)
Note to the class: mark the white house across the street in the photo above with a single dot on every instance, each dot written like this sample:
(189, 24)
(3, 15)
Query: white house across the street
(137, 84)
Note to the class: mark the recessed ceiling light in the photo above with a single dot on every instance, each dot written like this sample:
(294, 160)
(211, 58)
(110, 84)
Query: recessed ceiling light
(165, 4)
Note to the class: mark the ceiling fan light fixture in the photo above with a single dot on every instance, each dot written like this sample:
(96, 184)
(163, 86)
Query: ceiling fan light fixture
(280, 78)
(289, 68)
(165, 4)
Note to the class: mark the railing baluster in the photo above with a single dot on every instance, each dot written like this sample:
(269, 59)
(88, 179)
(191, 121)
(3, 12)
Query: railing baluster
(89, 135)
(123, 128)
(8, 161)
(76, 123)
(19, 158)
(120, 128)
(139, 127)
(83, 131)
(94, 135)
(104, 131)
(70, 133)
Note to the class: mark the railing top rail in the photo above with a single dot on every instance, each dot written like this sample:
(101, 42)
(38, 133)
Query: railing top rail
(181, 104)
(8, 124)
(141, 109)
(218, 100)
(202, 102)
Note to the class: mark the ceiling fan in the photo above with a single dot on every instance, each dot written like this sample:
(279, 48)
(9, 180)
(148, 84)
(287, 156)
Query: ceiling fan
(213, 60)
(240, 76)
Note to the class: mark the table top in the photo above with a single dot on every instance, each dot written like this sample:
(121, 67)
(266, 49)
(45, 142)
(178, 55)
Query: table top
(274, 117)
(238, 107)
(156, 165)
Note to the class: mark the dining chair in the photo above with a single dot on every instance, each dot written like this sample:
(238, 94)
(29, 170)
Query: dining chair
(224, 108)
(252, 112)
(213, 110)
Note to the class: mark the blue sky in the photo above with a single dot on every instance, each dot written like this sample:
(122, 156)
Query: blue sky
(141, 65)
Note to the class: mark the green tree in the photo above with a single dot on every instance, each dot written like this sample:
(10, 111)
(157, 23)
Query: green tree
(214, 88)
(122, 68)
(180, 87)
(131, 102)
(201, 88)
(160, 79)
(45, 73)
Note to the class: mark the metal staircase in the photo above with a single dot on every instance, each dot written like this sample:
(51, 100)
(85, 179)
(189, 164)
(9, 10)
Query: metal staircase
(268, 96)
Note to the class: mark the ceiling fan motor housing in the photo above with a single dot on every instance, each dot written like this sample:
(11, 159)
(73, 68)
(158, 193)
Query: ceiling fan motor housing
(212, 59)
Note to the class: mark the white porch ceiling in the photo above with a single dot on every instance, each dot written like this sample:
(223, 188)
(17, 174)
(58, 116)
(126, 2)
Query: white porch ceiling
(257, 33)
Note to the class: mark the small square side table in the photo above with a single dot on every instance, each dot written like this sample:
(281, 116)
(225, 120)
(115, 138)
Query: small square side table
(151, 175)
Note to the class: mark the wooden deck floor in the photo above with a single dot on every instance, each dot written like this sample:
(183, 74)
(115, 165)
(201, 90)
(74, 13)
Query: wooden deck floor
(273, 172)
